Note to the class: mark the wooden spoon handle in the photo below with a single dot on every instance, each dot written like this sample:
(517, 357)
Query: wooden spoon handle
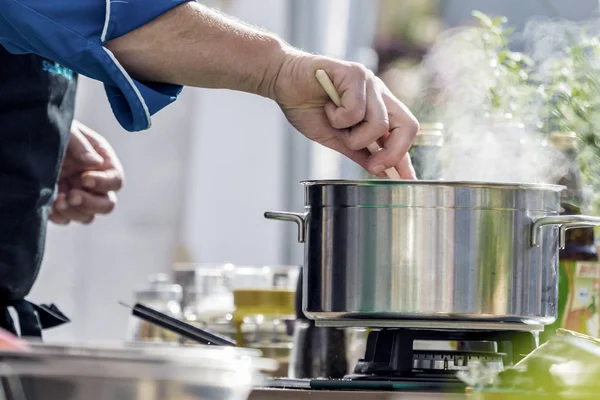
(327, 85)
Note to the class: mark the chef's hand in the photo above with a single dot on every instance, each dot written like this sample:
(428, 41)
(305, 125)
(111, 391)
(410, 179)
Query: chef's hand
(91, 175)
(369, 112)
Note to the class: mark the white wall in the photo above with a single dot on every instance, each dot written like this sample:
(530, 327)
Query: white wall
(238, 166)
(201, 177)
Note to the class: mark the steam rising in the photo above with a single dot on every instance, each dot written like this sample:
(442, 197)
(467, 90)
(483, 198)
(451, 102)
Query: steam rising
(480, 145)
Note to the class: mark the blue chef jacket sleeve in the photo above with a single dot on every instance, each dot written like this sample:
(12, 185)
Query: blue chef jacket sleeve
(73, 33)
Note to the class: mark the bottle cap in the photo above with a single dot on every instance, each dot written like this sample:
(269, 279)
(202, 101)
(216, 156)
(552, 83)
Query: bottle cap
(430, 134)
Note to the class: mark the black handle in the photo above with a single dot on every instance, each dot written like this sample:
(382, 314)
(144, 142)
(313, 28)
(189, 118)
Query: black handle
(182, 328)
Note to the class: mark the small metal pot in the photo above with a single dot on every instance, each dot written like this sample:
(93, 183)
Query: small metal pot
(379, 251)
(143, 371)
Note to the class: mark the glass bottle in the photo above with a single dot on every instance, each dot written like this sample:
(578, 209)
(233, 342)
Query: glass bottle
(426, 152)
(161, 295)
(264, 320)
(209, 302)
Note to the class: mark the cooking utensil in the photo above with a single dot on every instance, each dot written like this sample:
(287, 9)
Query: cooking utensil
(160, 294)
(430, 253)
(149, 372)
(329, 88)
(182, 328)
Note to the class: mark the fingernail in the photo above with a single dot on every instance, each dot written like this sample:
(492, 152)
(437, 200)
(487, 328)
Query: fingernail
(61, 205)
(377, 169)
(76, 200)
(89, 182)
(90, 158)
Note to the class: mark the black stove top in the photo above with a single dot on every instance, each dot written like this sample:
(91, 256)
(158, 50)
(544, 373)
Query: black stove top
(392, 360)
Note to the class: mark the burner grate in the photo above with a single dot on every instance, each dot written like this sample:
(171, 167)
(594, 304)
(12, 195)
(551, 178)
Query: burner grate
(390, 353)
(452, 361)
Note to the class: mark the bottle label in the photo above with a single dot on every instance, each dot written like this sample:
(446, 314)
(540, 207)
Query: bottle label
(579, 297)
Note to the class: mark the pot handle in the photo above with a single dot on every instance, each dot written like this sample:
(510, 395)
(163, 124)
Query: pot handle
(565, 223)
(298, 218)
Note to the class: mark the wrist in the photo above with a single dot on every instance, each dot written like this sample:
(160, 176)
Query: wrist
(278, 55)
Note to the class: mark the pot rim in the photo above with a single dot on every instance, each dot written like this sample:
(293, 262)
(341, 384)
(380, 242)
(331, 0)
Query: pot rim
(467, 184)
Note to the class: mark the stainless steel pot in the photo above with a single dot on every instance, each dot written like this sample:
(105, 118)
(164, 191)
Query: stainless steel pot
(148, 372)
(380, 251)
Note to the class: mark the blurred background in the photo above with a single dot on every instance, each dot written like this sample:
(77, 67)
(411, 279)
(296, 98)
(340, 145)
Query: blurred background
(198, 182)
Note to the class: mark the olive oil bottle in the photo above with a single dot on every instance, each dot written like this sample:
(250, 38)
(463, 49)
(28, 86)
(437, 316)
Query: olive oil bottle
(579, 272)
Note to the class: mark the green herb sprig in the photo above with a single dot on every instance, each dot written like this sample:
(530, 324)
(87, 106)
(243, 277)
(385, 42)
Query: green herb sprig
(562, 95)
(511, 70)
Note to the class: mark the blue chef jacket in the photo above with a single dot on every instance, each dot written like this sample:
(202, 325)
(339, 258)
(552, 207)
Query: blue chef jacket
(36, 109)
(72, 33)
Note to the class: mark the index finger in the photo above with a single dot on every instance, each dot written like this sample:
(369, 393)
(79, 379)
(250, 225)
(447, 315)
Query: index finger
(405, 168)
(403, 129)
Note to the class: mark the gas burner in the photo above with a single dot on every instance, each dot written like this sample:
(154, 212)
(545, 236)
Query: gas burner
(391, 353)
(452, 361)
(413, 360)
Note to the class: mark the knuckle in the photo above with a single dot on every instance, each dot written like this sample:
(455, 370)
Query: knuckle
(345, 119)
(356, 115)
(353, 142)
(381, 127)
(117, 180)
(68, 213)
(359, 141)
(359, 70)
(413, 127)
(339, 122)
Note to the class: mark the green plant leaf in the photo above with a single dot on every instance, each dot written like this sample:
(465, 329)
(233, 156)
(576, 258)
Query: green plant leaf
(484, 20)
(499, 21)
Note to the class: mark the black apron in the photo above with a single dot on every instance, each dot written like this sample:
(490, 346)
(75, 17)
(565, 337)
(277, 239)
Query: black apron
(37, 99)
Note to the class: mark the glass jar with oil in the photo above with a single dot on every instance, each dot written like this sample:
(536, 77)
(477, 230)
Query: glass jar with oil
(264, 319)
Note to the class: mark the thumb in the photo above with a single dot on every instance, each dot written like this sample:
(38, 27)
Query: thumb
(80, 149)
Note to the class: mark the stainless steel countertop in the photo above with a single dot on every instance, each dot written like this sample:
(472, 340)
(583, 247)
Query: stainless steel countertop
(294, 394)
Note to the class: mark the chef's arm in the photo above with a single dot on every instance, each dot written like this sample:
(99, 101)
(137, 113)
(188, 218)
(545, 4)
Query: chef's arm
(193, 45)
(144, 51)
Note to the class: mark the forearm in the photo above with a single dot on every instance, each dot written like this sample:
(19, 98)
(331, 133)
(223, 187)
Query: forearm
(194, 46)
